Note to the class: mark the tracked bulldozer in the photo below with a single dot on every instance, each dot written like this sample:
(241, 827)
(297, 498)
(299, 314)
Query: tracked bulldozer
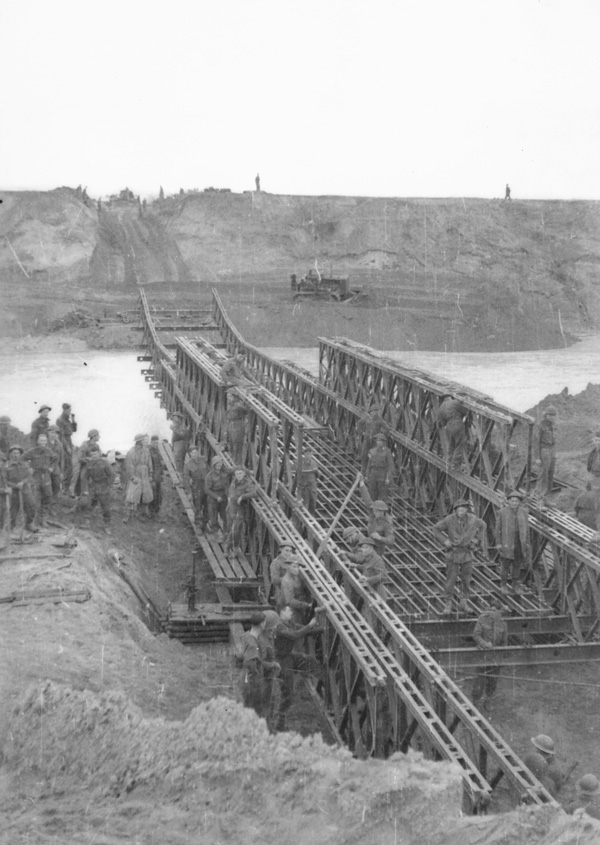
(319, 286)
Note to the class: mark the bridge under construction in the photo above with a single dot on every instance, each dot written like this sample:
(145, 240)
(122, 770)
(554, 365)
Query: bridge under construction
(386, 685)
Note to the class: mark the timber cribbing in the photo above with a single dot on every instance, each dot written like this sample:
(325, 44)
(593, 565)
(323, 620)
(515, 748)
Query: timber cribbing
(382, 690)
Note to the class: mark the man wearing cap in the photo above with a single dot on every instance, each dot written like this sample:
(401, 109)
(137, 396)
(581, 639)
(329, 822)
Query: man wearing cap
(42, 461)
(490, 632)
(372, 566)
(380, 470)
(194, 481)
(544, 745)
(40, 424)
(380, 526)
(4, 435)
(138, 469)
(56, 473)
(154, 506)
(367, 429)
(236, 427)
(452, 416)
(254, 659)
(462, 534)
(217, 487)
(547, 452)
(587, 799)
(512, 539)
(307, 472)
(67, 427)
(180, 439)
(288, 635)
(241, 490)
(278, 567)
(99, 479)
(17, 479)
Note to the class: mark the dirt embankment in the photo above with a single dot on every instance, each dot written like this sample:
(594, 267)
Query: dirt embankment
(462, 275)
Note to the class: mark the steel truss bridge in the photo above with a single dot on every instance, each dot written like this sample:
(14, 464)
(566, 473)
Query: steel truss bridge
(385, 687)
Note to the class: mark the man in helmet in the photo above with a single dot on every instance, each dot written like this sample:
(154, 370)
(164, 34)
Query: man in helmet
(367, 429)
(380, 526)
(372, 566)
(544, 745)
(42, 461)
(17, 480)
(490, 632)
(307, 472)
(234, 373)
(99, 479)
(40, 424)
(462, 534)
(547, 452)
(587, 791)
(93, 437)
(352, 537)
(380, 470)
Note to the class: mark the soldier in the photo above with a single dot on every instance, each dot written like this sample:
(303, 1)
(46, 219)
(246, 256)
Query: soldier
(353, 537)
(372, 566)
(294, 593)
(4, 435)
(587, 796)
(67, 427)
(217, 486)
(234, 373)
(194, 481)
(254, 659)
(512, 538)
(42, 460)
(586, 507)
(56, 446)
(462, 533)
(367, 429)
(544, 745)
(547, 452)
(77, 479)
(241, 490)
(236, 427)
(452, 417)
(380, 470)
(17, 478)
(154, 506)
(180, 439)
(99, 479)
(490, 632)
(40, 424)
(278, 568)
(380, 526)
(539, 767)
(287, 635)
(306, 480)
(138, 467)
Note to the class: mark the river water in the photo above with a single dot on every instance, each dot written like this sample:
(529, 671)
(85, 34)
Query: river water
(108, 392)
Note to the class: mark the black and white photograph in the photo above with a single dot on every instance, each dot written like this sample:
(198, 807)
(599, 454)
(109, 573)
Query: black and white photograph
(300, 423)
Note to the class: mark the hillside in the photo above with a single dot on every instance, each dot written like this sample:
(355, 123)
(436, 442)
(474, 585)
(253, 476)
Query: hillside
(455, 274)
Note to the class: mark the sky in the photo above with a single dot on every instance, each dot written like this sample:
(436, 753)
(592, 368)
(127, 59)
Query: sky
(421, 98)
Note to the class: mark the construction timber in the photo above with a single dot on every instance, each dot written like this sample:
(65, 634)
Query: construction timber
(386, 687)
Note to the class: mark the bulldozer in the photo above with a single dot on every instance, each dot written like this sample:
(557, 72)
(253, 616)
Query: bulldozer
(319, 286)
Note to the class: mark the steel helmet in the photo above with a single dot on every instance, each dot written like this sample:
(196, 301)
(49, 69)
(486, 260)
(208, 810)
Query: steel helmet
(379, 505)
(543, 743)
(537, 764)
(588, 785)
(348, 532)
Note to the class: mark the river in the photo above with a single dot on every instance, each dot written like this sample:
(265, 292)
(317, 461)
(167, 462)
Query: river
(108, 392)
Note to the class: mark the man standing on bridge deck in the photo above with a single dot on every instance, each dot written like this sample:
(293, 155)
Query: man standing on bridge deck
(241, 490)
(180, 439)
(353, 537)
(380, 470)
(372, 566)
(217, 486)
(512, 538)
(452, 418)
(380, 526)
(306, 480)
(236, 427)
(367, 429)
(547, 452)
(195, 472)
(462, 534)
(490, 632)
